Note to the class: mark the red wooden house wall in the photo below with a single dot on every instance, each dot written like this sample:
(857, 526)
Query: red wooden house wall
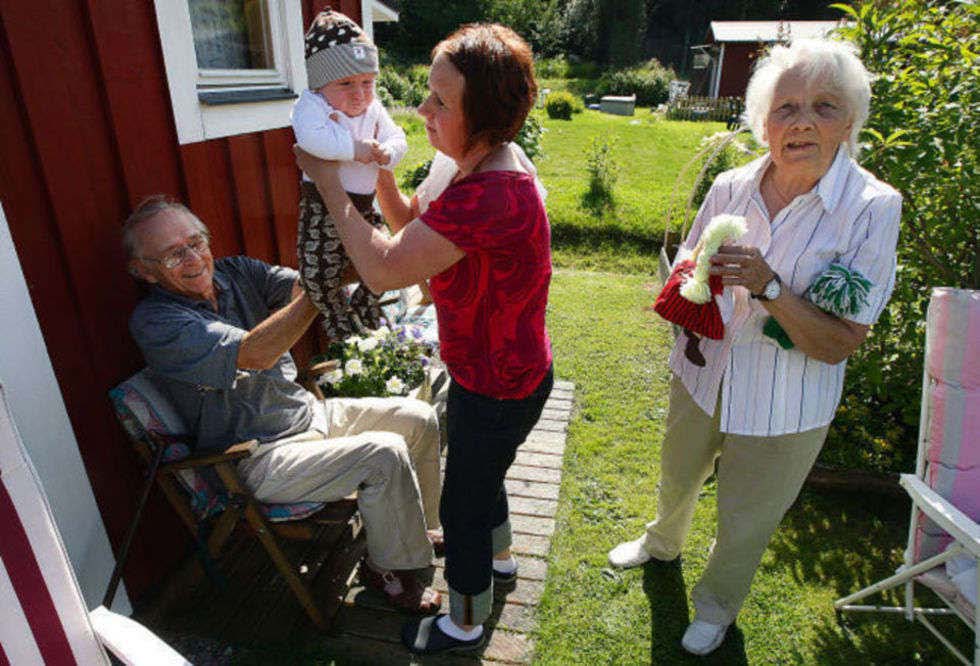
(86, 131)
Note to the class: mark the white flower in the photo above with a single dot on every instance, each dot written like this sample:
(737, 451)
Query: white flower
(334, 376)
(354, 367)
(379, 333)
(367, 344)
(395, 386)
(354, 340)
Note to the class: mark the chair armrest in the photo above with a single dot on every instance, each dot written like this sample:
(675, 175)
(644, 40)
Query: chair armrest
(308, 378)
(321, 368)
(131, 642)
(232, 453)
(943, 513)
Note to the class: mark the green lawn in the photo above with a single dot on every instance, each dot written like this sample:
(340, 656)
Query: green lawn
(614, 349)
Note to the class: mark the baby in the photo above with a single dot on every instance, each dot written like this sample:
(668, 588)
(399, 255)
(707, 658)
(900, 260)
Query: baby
(339, 119)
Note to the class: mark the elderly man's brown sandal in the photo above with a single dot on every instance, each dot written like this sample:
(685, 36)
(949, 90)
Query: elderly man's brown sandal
(402, 589)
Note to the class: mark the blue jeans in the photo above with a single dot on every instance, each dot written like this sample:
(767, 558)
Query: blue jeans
(483, 435)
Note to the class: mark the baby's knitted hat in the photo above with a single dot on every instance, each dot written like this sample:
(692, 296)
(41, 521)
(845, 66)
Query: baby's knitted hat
(336, 48)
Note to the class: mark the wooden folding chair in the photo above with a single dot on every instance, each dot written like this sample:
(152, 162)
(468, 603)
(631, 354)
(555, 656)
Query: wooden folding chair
(944, 533)
(43, 617)
(207, 493)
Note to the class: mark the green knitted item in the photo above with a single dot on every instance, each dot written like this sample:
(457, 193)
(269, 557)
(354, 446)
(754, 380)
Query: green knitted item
(838, 290)
(772, 329)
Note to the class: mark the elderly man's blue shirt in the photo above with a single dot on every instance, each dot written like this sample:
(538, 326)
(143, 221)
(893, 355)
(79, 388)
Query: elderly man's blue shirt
(193, 352)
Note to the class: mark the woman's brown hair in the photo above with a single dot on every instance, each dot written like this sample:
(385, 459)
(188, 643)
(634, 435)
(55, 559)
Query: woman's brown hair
(498, 67)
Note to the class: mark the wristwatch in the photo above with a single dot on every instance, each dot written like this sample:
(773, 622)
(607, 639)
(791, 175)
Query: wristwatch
(772, 289)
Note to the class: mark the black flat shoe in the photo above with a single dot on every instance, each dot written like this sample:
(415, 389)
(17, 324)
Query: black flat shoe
(425, 637)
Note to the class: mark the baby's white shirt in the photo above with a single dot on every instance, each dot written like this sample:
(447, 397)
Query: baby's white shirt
(319, 135)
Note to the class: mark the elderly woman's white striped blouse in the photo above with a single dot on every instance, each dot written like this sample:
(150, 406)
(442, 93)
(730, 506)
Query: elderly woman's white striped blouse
(850, 218)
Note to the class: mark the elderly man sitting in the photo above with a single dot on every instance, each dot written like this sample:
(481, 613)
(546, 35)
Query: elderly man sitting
(217, 334)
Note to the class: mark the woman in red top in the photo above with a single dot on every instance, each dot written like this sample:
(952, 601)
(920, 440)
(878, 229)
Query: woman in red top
(485, 244)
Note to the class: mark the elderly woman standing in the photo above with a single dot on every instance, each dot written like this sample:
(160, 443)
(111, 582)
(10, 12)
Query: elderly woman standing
(761, 406)
(482, 235)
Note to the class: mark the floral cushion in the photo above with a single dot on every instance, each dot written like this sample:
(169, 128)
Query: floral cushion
(142, 409)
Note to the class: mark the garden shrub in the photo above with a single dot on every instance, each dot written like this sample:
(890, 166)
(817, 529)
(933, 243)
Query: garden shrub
(649, 83)
(603, 173)
(529, 137)
(921, 139)
(408, 90)
(414, 176)
(418, 74)
(384, 96)
(392, 81)
(561, 105)
(551, 68)
(734, 154)
(583, 69)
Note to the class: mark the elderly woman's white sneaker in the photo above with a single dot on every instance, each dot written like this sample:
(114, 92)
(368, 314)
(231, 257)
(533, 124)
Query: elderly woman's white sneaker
(629, 554)
(702, 637)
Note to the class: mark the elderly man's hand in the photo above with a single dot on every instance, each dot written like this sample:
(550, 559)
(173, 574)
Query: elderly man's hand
(311, 165)
(742, 265)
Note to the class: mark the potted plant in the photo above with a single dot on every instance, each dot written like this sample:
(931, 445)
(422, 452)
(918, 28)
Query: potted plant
(385, 362)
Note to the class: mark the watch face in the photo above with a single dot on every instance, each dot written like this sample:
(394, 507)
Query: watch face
(772, 289)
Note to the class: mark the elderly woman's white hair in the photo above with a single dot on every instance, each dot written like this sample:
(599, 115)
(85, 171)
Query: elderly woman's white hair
(836, 62)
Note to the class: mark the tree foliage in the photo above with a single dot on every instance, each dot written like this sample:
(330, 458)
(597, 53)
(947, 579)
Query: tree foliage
(921, 139)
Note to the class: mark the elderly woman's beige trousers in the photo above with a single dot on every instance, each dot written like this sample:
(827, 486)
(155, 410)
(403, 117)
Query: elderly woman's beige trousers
(758, 480)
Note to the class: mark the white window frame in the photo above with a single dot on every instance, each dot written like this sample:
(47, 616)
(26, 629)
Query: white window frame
(375, 12)
(197, 120)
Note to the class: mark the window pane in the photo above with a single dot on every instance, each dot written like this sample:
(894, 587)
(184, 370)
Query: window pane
(231, 34)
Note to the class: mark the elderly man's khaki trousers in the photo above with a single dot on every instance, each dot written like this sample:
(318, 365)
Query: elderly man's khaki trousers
(375, 447)
(758, 480)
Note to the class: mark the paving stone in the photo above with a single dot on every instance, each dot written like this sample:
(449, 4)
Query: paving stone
(531, 568)
(547, 436)
(532, 525)
(508, 647)
(532, 506)
(534, 473)
(555, 414)
(526, 488)
(552, 426)
(540, 446)
(530, 544)
(556, 401)
(534, 459)
(517, 617)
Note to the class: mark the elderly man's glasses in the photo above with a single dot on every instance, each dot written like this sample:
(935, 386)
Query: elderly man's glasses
(175, 257)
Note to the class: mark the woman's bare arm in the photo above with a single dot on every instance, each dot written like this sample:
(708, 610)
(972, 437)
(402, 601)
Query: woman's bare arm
(413, 254)
(398, 209)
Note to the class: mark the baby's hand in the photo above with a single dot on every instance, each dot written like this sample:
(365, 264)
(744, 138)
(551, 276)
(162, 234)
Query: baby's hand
(380, 154)
(364, 150)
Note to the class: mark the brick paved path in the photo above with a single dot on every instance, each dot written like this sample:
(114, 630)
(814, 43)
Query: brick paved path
(366, 630)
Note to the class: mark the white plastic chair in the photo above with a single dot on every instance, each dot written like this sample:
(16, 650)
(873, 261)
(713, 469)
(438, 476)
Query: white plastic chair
(945, 489)
(43, 618)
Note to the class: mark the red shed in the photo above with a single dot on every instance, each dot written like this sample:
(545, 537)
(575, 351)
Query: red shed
(103, 102)
(732, 46)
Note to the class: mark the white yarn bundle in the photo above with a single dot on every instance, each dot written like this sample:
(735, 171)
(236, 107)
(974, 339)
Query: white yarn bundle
(721, 228)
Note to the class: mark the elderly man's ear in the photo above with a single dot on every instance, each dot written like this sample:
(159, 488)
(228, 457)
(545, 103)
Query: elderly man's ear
(138, 271)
